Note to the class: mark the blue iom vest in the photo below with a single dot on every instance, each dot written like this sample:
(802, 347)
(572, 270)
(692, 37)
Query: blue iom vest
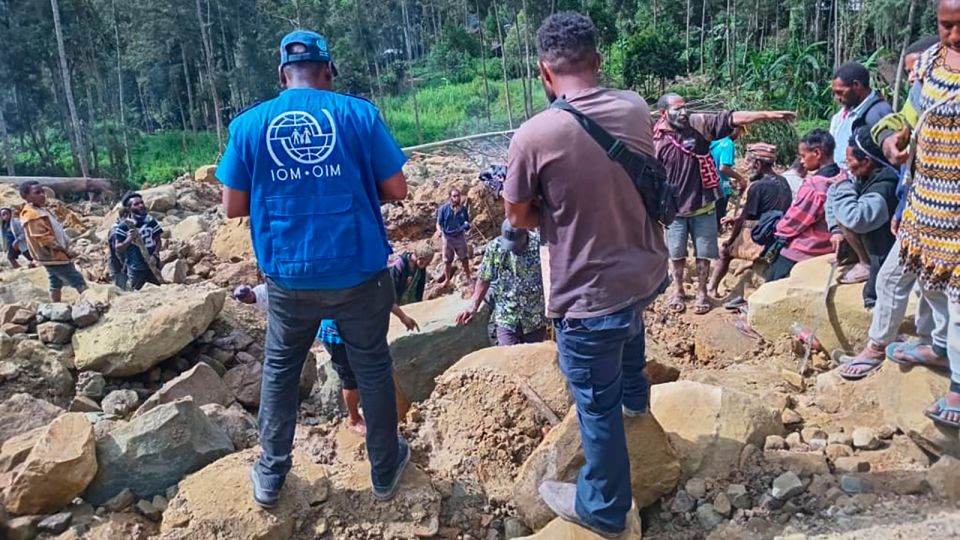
(311, 161)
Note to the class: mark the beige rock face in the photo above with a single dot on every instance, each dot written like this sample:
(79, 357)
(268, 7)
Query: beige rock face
(160, 199)
(559, 529)
(22, 413)
(145, 328)
(189, 228)
(206, 174)
(201, 383)
(232, 241)
(708, 426)
(16, 449)
(654, 466)
(201, 510)
(844, 323)
(59, 468)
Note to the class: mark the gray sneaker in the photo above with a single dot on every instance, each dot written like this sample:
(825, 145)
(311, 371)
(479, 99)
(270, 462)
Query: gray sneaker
(384, 494)
(632, 413)
(262, 495)
(561, 497)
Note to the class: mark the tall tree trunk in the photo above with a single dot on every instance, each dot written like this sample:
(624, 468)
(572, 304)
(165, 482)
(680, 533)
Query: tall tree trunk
(122, 105)
(68, 91)
(92, 130)
(703, 34)
(211, 74)
(483, 65)
(903, 55)
(526, 51)
(191, 112)
(525, 81)
(5, 147)
(687, 46)
(406, 29)
(503, 63)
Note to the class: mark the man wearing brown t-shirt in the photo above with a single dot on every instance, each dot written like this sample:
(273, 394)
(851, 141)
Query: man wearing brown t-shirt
(606, 260)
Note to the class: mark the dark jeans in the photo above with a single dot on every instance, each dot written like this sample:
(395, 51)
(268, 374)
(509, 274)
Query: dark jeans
(363, 317)
(722, 209)
(138, 278)
(515, 336)
(65, 274)
(780, 269)
(603, 359)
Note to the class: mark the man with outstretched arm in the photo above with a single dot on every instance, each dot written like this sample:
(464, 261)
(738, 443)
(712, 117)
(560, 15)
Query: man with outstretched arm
(311, 168)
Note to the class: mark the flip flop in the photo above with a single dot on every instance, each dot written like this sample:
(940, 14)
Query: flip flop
(910, 350)
(938, 418)
(677, 303)
(856, 274)
(734, 304)
(702, 307)
(872, 366)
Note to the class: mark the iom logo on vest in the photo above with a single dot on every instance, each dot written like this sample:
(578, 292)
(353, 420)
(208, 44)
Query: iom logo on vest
(299, 144)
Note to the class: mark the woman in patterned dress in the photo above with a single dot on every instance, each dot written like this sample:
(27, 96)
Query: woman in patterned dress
(930, 231)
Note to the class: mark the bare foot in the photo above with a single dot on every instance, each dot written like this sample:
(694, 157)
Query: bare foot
(358, 425)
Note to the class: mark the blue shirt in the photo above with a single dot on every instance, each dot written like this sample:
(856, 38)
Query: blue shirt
(311, 161)
(329, 332)
(453, 223)
(724, 153)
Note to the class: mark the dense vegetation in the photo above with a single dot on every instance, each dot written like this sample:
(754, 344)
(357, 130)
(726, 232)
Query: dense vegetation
(143, 89)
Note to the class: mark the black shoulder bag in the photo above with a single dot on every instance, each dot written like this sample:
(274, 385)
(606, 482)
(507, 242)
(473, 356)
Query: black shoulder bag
(648, 175)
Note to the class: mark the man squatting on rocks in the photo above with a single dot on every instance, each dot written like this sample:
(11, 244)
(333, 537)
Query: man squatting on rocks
(511, 267)
(683, 147)
(47, 241)
(329, 333)
(607, 260)
(453, 222)
(320, 242)
(136, 226)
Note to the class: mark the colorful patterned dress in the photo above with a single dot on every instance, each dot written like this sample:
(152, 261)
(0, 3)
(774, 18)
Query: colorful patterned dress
(930, 231)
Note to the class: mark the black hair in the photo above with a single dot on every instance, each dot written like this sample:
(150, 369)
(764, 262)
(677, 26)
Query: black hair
(125, 202)
(921, 45)
(865, 148)
(567, 40)
(27, 187)
(853, 72)
(820, 138)
(664, 102)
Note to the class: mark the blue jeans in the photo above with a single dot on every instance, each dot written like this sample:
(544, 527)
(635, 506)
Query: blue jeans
(363, 316)
(65, 274)
(603, 360)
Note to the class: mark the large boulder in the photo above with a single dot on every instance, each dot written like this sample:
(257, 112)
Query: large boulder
(708, 426)
(22, 413)
(418, 357)
(155, 451)
(775, 306)
(190, 228)
(60, 466)
(232, 241)
(202, 383)
(243, 381)
(654, 465)
(39, 372)
(160, 199)
(201, 512)
(145, 328)
(236, 422)
(15, 450)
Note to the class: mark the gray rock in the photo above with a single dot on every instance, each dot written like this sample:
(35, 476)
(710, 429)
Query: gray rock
(159, 502)
(696, 488)
(787, 485)
(236, 422)
(886, 432)
(851, 465)
(148, 510)
(245, 358)
(58, 312)
(55, 524)
(6, 344)
(22, 413)
(840, 438)
(865, 439)
(155, 451)
(234, 341)
(682, 503)
(120, 402)
(91, 384)
(723, 506)
(200, 383)
(708, 517)
(514, 528)
(174, 272)
(739, 497)
(853, 485)
(84, 314)
(774, 442)
(55, 332)
(791, 417)
(811, 433)
(120, 501)
(794, 441)
(23, 528)
(244, 381)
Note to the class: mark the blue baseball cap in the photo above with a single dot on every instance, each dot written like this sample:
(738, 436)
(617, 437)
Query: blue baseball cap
(316, 49)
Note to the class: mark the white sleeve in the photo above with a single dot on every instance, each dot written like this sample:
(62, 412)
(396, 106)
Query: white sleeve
(263, 299)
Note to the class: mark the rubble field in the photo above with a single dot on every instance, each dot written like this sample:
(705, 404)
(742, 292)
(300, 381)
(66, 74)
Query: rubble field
(133, 414)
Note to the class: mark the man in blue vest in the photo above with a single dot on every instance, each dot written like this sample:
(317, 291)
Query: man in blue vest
(311, 168)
